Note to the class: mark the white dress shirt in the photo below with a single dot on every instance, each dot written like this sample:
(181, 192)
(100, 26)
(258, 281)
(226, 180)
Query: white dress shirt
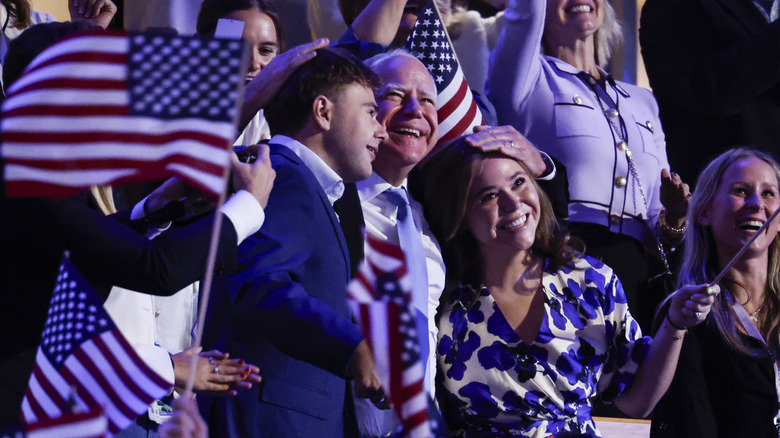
(380, 218)
(330, 181)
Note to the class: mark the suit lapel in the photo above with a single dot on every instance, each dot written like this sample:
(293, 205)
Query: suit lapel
(334, 220)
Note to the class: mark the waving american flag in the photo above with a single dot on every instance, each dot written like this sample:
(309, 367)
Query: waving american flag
(108, 107)
(380, 298)
(84, 363)
(456, 107)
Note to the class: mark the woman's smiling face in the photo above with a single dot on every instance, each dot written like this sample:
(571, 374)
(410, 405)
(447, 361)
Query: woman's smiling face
(503, 208)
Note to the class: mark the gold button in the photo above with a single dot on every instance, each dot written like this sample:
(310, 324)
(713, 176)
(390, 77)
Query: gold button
(620, 182)
(577, 100)
(614, 219)
(612, 112)
(650, 125)
(621, 145)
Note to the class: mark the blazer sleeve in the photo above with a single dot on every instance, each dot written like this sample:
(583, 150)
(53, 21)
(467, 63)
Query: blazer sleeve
(269, 298)
(108, 252)
(515, 63)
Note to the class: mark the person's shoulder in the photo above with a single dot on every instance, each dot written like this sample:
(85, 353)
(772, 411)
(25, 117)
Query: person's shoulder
(41, 17)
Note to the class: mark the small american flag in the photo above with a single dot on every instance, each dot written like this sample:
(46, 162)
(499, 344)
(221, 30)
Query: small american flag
(380, 298)
(84, 362)
(108, 107)
(456, 107)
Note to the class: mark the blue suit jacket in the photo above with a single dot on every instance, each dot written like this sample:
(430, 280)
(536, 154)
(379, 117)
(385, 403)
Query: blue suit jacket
(288, 314)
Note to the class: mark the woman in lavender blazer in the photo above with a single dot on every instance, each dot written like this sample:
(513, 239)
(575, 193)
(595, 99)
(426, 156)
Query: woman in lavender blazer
(546, 79)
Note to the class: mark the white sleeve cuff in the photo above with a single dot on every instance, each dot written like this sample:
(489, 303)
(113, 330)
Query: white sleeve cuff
(549, 173)
(138, 210)
(245, 212)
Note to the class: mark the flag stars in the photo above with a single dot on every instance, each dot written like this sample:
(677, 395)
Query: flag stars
(428, 12)
(426, 22)
(439, 79)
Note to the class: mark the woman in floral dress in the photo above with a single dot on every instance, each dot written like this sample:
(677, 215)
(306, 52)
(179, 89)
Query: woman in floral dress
(535, 331)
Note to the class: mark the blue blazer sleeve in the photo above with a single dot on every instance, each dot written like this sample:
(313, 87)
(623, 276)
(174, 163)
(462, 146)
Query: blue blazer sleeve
(290, 288)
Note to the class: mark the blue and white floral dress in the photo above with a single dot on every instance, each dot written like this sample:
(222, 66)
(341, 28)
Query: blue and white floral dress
(496, 385)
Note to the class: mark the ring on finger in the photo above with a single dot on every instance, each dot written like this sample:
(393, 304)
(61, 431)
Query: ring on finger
(214, 367)
(511, 144)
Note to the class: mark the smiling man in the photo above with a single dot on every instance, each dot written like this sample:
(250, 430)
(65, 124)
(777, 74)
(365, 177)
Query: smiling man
(286, 307)
(407, 110)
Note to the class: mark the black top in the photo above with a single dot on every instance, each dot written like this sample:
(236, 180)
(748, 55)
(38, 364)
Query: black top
(718, 391)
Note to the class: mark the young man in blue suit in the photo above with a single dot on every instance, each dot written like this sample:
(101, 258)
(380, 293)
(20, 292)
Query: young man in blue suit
(286, 308)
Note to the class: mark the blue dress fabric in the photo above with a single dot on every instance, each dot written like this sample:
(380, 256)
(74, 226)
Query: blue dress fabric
(588, 346)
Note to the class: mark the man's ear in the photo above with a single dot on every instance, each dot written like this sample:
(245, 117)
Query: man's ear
(322, 112)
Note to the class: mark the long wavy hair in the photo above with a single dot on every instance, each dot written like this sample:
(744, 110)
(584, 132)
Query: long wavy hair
(447, 179)
(700, 260)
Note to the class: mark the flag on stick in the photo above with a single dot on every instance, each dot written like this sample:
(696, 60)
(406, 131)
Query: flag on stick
(380, 299)
(84, 362)
(108, 107)
(456, 107)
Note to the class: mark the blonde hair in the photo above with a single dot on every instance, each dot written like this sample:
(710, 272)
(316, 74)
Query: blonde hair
(700, 262)
(607, 37)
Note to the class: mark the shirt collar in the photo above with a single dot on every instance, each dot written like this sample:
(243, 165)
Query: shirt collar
(329, 180)
(370, 188)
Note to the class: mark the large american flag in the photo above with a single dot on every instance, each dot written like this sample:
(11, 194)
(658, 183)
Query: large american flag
(456, 107)
(84, 362)
(380, 297)
(108, 107)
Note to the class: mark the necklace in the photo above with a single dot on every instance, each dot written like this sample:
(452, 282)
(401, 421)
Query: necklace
(753, 316)
(620, 136)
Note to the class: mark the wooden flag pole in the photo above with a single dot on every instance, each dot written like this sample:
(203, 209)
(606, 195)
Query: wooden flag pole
(203, 298)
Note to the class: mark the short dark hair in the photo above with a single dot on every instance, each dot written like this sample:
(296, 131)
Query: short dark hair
(212, 10)
(326, 74)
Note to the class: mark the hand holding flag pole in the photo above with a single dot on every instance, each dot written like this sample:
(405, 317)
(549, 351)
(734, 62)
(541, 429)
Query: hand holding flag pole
(110, 108)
